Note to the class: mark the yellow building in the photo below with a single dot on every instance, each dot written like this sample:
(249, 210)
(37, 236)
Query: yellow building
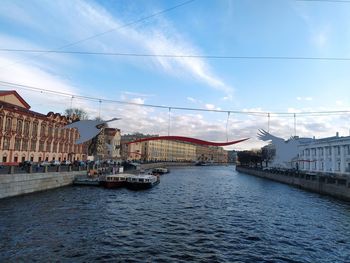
(212, 154)
(165, 150)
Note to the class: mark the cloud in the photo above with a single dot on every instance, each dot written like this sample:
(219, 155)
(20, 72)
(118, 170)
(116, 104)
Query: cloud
(304, 98)
(191, 99)
(210, 106)
(320, 37)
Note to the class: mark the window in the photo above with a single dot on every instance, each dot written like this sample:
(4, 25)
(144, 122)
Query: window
(35, 129)
(54, 149)
(43, 130)
(17, 144)
(25, 145)
(19, 127)
(6, 144)
(4, 159)
(56, 132)
(8, 124)
(48, 146)
(41, 146)
(329, 150)
(50, 131)
(26, 127)
(33, 145)
(321, 151)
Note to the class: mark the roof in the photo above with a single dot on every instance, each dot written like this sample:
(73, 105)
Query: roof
(12, 107)
(13, 92)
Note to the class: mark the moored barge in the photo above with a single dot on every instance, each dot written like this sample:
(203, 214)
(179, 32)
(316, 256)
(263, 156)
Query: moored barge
(142, 181)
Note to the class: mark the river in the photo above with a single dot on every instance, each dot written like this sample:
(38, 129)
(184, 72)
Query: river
(196, 214)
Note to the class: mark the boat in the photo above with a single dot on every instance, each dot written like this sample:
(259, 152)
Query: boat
(201, 163)
(142, 181)
(115, 180)
(86, 181)
(160, 170)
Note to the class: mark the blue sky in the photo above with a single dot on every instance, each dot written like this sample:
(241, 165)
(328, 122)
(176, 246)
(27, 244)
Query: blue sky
(203, 27)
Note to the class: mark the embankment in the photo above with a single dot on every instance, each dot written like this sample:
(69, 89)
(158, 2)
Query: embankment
(19, 184)
(336, 186)
(146, 166)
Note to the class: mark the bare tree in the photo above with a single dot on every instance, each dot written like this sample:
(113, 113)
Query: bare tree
(79, 113)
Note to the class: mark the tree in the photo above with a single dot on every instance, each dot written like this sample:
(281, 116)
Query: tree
(79, 113)
(268, 152)
(250, 158)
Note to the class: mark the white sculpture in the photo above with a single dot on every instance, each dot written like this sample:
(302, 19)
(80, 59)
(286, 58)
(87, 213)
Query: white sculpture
(88, 129)
(286, 150)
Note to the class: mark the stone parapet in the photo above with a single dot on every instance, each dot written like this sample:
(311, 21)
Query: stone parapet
(19, 184)
(336, 186)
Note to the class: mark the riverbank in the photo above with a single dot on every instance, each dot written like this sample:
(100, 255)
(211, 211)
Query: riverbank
(336, 186)
(19, 184)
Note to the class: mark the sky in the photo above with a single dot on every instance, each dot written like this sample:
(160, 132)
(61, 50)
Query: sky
(284, 28)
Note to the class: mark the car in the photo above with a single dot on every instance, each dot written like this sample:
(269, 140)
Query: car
(79, 163)
(45, 163)
(66, 162)
(55, 163)
(25, 164)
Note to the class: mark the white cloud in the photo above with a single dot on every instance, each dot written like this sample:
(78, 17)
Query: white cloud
(320, 37)
(304, 98)
(191, 99)
(210, 106)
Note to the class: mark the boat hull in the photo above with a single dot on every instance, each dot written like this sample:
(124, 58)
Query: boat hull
(140, 186)
(86, 181)
(113, 184)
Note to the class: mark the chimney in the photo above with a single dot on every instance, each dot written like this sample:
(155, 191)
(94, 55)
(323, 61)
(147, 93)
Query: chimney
(337, 134)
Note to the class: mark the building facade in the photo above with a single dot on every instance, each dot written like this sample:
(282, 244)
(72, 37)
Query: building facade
(327, 155)
(26, 135)
(166, 150)
(212, 154)
(112, 138)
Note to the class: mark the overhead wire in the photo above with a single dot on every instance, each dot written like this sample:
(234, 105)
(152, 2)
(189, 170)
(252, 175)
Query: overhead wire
(108, 31)
(243, 112)
(142, 55)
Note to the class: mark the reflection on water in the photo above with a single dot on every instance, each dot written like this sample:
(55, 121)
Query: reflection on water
(201, 214)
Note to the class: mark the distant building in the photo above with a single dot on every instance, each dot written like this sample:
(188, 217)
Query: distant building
(112, 140)
(327, 155)
(132, 151)
(169, 150)
(232, 156)
(166, 150)
(212, 154)
(29, 135)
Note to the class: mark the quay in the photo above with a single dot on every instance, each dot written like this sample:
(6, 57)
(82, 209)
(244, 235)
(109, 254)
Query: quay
(15, 184)
(332, 185)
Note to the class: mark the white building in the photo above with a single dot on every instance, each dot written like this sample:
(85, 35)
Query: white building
(327, 155)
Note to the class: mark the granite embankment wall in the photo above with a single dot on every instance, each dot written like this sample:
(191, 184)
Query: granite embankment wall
(164, 164)
(18, 184)
(336, 186)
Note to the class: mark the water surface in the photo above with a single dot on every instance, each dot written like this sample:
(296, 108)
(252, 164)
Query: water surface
(196, 214)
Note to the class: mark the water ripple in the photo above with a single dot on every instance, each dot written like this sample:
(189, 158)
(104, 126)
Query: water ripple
(196, 214)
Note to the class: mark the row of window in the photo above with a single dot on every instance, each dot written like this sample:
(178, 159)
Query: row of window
(23, 145)
(327, 149)
(313, 166)
(24, 128)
